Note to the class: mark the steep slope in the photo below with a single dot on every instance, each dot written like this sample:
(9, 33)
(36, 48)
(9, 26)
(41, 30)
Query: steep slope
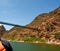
(42, 26)
(38, 20)
(2, 29)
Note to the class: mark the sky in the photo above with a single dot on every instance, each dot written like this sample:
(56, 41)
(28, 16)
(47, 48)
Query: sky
(22, 12)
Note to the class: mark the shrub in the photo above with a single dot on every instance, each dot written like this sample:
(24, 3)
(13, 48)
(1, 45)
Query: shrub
(57, 35)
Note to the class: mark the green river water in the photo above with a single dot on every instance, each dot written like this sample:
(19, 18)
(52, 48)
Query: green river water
(22, 46)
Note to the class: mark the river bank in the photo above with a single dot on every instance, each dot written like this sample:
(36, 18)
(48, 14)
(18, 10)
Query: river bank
(55, 43)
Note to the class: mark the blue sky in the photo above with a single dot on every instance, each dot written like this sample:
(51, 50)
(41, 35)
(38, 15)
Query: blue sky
(22, 12)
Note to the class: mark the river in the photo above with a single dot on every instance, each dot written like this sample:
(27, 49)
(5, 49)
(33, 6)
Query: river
(24, 46)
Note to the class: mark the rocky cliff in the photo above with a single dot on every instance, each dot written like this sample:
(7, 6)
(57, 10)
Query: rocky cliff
(2, 30)
(42, 26)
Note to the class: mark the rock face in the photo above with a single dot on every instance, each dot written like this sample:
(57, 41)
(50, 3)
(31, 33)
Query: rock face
(42, 26)
(2, 29)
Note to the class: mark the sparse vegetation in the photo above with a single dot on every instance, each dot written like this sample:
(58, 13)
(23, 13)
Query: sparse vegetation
(57, 35)
(42, 27)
